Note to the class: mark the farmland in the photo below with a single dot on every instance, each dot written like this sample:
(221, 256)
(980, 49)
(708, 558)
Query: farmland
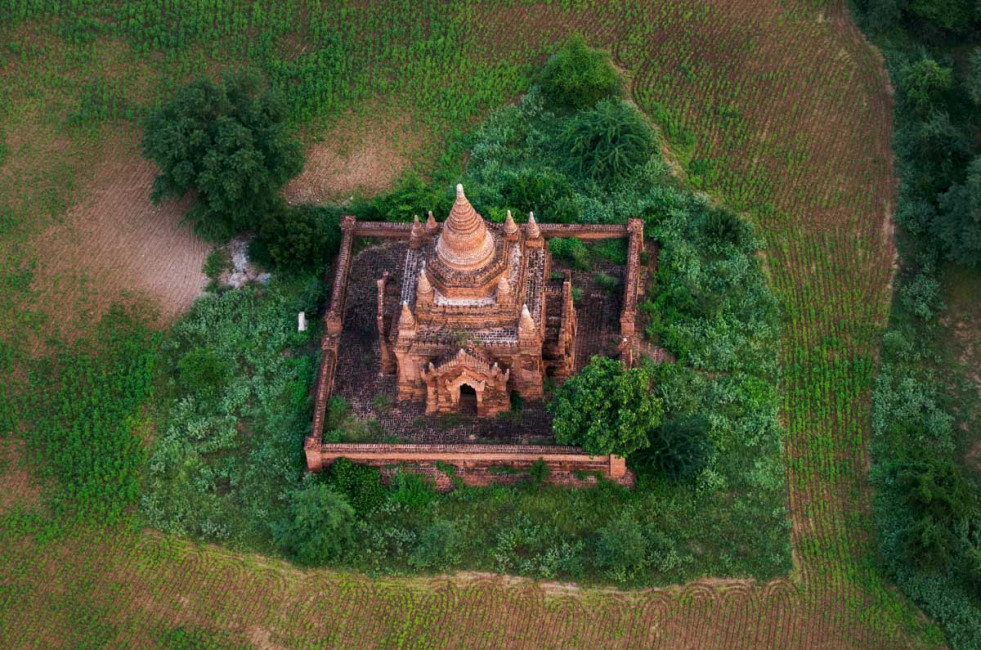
(779, 110)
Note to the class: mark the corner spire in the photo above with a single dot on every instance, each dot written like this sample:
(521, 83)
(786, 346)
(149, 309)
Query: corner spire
(406, 320)
(510, 227)
(526, 325)
(534, 232)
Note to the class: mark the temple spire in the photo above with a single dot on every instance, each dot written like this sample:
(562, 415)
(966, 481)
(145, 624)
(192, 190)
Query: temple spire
(431, 225)
(406, 320)
(464, 244)
(526, 324)
(510, 227)
(534, 232)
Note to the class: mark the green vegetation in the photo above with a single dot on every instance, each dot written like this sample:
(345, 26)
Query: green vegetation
(606, 409)
(228, 144)
(228, 451)
(755, 114)
(716, 459)
(87, 428)
(578, 76)
(928, 500)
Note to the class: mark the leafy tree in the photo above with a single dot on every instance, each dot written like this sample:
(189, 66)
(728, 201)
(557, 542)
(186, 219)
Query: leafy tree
(578, 76)
(609, 142)
(972, 82)
(606, 409)
(940, 501)
(229, 144)
(952, 15)
(319, 525)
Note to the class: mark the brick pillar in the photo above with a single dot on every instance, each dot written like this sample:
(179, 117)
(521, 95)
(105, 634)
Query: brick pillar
(618, 467)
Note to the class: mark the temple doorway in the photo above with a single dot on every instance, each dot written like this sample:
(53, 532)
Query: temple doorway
(468, 400)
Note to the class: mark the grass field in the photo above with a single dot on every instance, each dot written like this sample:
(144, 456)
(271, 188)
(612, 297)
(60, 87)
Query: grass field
(778, 108)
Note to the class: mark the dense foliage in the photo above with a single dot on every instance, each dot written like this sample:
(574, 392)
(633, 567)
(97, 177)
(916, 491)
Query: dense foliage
(928, 502)
(229, 451)
(297, 239)
(229, 144)
(578, 76)
(606, 409)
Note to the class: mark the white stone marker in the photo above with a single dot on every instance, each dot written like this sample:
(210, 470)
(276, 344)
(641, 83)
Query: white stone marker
(301, 325)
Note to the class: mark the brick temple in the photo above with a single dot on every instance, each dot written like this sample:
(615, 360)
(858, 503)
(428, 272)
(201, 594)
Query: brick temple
(467, 314)
(475, 322)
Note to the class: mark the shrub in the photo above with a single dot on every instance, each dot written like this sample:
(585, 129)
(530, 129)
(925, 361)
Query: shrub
(360, 484)
(621, 548)
(571, 249)
(203, 372)
(319, 526)
(298, 239)
(680, 448)
(412, 489)
(535, 189)
(606, 409)
(723, 227)
(539, 472)
(610, 142)
(438, 547)
(230, 144)
(218, 260)
(921, 295)
(578, 77)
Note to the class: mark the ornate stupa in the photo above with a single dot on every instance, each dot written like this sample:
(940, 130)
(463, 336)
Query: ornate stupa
(478, 317)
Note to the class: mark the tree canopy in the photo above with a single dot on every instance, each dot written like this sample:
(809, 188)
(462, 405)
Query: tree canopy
(606, 409)
(227, 142)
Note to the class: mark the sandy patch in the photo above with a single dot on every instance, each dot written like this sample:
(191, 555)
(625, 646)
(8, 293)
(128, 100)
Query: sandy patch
(115, 244)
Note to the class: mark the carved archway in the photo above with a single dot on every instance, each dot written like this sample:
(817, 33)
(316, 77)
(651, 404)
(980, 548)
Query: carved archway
(445, 382)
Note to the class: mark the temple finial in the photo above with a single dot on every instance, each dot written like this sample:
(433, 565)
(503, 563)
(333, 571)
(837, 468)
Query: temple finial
(526, 324)
(510, 227)
(406, 319)
(534, 232)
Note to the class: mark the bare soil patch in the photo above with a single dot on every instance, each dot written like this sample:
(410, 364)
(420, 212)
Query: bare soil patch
(115, 244)
(355, 157)
(16, 485)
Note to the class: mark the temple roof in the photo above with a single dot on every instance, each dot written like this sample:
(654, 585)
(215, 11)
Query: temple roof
(464, 244)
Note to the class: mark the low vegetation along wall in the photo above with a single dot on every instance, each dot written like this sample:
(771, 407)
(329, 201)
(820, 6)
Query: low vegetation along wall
(473, 464)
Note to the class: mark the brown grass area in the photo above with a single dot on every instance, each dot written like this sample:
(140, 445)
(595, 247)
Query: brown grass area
(355, 157)
(114, 243)
(16, 485)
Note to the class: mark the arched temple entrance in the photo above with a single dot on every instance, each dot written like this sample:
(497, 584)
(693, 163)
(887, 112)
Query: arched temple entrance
(466, 384)
(467, 400)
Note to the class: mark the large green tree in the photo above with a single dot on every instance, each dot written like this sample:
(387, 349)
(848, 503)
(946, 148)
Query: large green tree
(606, 409)
(228, 143)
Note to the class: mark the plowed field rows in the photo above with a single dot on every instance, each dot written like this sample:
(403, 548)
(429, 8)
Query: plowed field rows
(780, 109)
